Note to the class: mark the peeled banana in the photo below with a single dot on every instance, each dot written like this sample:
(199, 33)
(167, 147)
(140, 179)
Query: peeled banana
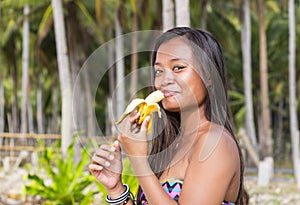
(145, 107)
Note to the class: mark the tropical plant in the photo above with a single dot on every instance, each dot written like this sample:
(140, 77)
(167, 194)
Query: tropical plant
(68, 180)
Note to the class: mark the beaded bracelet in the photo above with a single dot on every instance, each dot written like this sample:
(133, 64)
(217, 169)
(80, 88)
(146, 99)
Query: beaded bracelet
(123, 198)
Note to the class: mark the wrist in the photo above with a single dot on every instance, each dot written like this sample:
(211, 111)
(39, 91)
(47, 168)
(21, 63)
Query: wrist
(116, 190)
(141, 166)
(120, 199)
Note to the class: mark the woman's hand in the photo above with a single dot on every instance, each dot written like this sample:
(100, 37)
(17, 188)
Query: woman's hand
(133, 137)
(106, 166)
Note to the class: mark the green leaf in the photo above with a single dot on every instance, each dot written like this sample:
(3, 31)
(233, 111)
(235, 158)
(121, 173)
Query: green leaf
(11, 26)
(133, 4)
(90, 19)
(45, 24)
(37, 179)
(68, 181)
(86, 199)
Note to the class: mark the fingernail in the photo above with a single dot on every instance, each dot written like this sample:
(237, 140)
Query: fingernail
(116, 143)
(99, 167)
(107, 164)
(112, 149)
(147, 118)
(111, 157)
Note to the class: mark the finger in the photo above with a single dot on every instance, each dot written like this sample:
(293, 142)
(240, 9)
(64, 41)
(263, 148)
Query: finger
(134, 116)
(107, 148)
(95, 167)
(126, 127)
(100, 161)
(144, 126)
(107, 155)
(117, 146)
(136, 130)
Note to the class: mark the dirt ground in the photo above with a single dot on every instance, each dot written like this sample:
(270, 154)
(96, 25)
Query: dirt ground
(277, 193)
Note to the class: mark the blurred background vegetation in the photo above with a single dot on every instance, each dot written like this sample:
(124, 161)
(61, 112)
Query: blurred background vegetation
(32, 82)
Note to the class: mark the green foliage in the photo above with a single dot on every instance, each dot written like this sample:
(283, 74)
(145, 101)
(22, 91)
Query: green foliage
(68, 179)
(237, 102)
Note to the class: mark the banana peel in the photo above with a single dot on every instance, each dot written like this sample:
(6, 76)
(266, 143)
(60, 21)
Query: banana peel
(145, 107)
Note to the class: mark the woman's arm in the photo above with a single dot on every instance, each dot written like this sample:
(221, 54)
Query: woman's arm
(213, 169)
(106, 166)
(134, 142)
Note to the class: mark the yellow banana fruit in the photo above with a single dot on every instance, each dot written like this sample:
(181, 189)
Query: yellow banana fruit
(145, 107)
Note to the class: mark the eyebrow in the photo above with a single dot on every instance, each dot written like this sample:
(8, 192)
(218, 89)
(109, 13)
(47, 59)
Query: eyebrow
(172, 60)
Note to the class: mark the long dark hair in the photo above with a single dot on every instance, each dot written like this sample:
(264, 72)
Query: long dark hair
(207, 52)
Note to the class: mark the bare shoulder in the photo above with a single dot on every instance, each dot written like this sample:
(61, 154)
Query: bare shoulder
(214, 166)
(216, 143)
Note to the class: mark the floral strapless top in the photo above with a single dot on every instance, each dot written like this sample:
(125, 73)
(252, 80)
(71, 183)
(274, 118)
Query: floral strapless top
(173, 187)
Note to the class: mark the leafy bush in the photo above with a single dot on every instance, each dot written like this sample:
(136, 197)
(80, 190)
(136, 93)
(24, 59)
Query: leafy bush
(68, 179)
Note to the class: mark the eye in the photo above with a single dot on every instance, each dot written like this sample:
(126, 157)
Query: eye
(178, 68)
(157, 72)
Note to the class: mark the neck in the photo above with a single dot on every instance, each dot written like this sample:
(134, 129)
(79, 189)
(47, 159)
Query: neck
(192, 120)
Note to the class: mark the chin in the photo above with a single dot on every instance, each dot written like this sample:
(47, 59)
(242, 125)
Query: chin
(171, 107)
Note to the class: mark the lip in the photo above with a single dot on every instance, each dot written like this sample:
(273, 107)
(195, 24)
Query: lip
(168, 93)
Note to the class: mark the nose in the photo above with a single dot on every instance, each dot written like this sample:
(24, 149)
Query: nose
(168, 78)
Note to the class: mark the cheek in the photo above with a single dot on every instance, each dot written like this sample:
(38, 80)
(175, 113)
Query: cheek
(196, 88)
(157, 83)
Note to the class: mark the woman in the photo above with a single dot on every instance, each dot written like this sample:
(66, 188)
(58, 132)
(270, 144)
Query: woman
(194, 157)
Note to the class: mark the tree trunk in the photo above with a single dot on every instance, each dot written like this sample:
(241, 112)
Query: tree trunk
(25, 68)
(2, 114)
(203, 13)
(9, 123)
(39, 102)
(91, 127)
(120, 88)
(15, 111)
(54, 117)
(247, 76)
(30, 116)
(111, 73)
(168, 14)
(64, 74)
(278, 127)
(265, 139)
(73, 36)
(182, 12)
(294, 130)
(134, 57)
(111, 76)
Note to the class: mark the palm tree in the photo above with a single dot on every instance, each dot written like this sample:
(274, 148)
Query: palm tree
(25, 67)
(203, 12)
(168, 14)
(135, 6)
(2, 114)
(182, 12)
(64, 74)
(120, 92)
(265, 137)
(294, 130)
(246, 51)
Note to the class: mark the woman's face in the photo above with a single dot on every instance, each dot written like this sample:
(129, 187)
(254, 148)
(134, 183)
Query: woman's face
(176, 76)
